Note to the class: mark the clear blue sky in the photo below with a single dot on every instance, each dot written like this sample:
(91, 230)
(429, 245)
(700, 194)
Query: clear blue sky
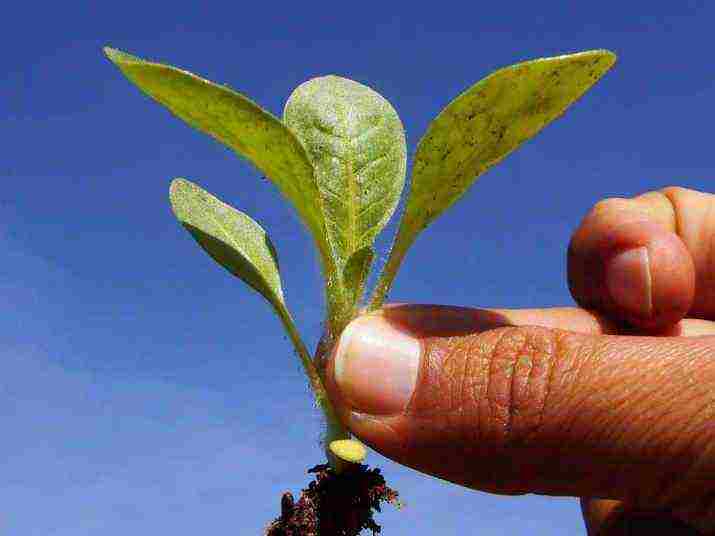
(143, 390)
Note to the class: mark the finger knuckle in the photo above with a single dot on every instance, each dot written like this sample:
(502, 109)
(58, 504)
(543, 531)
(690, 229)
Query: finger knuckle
(609, 206)
(676, 192)
(685, 201)
(519, 381)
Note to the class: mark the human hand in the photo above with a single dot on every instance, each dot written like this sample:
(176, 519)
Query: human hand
(559, 401)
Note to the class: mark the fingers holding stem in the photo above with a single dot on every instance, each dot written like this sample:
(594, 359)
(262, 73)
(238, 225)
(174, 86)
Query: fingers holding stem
(477, 398)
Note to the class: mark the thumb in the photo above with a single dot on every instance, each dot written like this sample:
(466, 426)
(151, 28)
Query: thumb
(459, 394)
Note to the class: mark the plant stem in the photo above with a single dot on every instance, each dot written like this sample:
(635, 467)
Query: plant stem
(387, 277)
(335, 429)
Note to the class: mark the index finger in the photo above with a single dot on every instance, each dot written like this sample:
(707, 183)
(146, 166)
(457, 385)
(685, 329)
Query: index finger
(649, 260)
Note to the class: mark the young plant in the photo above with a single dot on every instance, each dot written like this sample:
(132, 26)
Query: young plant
(339, 157)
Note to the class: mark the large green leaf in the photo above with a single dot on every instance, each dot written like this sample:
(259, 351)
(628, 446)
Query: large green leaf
(238, 122)
(482, 126)
(230, 237)
(356, 143)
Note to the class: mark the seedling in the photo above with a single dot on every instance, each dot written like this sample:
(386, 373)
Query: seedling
(339, 157)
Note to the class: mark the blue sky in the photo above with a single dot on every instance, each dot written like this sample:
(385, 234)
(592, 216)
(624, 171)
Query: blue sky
(144, 390)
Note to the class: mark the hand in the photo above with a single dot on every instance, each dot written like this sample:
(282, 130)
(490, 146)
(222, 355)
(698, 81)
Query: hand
(559, 401)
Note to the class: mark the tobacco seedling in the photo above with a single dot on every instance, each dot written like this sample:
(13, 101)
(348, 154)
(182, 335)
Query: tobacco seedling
(339, 157)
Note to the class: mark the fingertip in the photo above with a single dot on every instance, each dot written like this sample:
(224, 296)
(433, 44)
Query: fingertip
(375, 365)
(639, 273)
(652, 284)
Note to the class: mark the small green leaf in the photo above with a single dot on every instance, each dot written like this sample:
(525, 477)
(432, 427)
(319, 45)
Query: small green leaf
(239, 123)
(356, 271)
(230, 237)
(241, 246)
(356, 143)
(482, 126)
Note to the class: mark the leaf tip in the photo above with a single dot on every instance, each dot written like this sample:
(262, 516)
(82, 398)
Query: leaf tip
(120, 58)
(606, 56)
(610, 56)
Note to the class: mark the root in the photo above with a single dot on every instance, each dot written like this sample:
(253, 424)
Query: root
(334, 505)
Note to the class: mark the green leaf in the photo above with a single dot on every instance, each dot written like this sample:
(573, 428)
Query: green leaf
(482, 126)
(242, 125)
(243, 248)
(230, 237)
(356, 143)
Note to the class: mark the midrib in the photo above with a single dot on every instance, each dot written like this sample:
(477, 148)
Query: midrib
(352, 188)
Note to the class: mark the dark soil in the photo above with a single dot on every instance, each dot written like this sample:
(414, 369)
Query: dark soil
(334, 505)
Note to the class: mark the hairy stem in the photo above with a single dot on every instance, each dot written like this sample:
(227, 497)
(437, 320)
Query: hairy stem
(336, 302)
(387, 277)
(334, 428)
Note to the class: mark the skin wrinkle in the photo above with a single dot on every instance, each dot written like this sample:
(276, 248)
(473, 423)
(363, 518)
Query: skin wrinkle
(696, 393)
(662, 493)
(492, 378)
(562, 340)
(448, 349)
(429, 371)
(536, 386)
(516, 400)
(674, 431)
(698, 442)
(595, 398)
(695, 480)
(606, 479)
(450, 364)
(550, 402)
(468, 398)
(670, 477)
(462, 404)
(510, 404)
(525, 361)
(519, 399)
(464, 395)
(614, 382)
(482, 415)
(482, 371)
(444, 381)
(633, 399)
